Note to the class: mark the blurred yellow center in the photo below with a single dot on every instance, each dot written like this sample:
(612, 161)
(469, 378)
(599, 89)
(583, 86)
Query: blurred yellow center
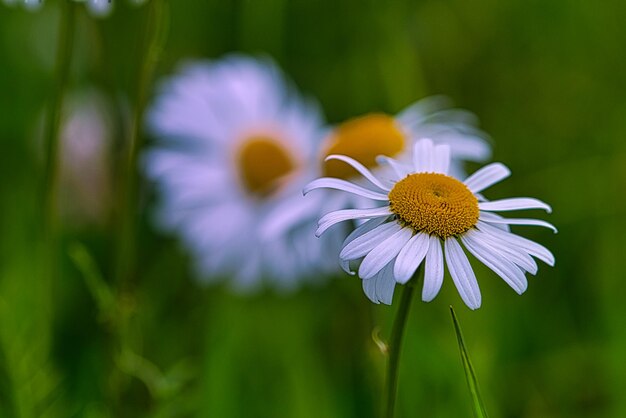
(434, 203)
(262, 162)
(363, 139)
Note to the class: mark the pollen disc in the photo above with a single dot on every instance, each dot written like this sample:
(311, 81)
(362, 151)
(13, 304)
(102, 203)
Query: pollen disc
(363, 138)
(262, 162)
(435, 204)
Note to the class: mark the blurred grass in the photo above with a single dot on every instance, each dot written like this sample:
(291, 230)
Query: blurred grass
(546, 80)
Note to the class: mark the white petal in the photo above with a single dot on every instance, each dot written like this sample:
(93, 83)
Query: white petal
(489, 215)
(487, 176)
(346, 186)
(516, 203)
(345, 266)
(410, 257)
(468, 147)
(419, 111)
(385, 284)
(441, 159)
(513, 253)
(520, 221)
(462, 274)
(369, 288)
(433, 270)
(380, 288)
(384, 252)
(362, 229)
(401, 170)
(533, 248)
(363, 244)
(361, 169)
(337, 216)
(502, 267)
(423, 156)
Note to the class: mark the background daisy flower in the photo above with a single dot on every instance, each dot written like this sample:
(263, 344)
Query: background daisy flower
(98, 8)
(236, 145)
(366, 137)
(428, 214)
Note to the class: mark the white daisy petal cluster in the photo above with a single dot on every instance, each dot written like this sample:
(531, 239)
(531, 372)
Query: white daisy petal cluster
(426, 216)
(367, 137)
(434, 118)
(236, 145)
(98, 8)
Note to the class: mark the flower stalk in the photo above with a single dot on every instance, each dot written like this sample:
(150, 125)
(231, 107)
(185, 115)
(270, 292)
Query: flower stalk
(153, 39)
(395, 346)
(65, 47)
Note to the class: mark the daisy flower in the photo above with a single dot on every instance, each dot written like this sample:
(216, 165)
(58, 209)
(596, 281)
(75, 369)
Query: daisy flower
(428, 214)
(366, 137)
(236, 146)
(99, 8)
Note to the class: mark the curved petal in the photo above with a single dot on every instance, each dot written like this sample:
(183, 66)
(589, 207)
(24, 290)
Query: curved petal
(516, 203)
(362, 229)
(345, 266)
(346, 186)
(380, 288)
(383, 253)
(490, 215)
(533, 248)
(515, 254)
(369, 288)
(361, 246)
(360, 168)
(410, 257)
(366, 242)
(385, 284)
(433, 270)
(401, 170)
(510, 273)
(520, 221)
(337, 216)
(487, 176)
(462, 273)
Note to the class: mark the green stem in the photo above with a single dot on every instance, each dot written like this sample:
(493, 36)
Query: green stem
(152, 40)
(65, 48)
(395, 345)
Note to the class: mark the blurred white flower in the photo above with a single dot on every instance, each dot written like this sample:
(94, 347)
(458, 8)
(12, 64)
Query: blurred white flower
(367, 137)
(28, 4)
(236, 144)
(85, 145)
(99, 8)
(426, 208)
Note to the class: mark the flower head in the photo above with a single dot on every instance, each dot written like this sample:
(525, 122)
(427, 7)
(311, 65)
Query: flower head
(366, 137)
(429, 214)
(98, 8)
(236, 146)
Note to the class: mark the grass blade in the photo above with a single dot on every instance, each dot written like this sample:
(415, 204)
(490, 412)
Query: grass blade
(472, 383)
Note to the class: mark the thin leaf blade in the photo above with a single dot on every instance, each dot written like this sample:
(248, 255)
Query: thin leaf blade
(472, 382)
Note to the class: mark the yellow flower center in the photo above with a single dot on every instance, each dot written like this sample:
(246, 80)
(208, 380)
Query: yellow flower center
(263, 162)
(434, 203)
(363, 139)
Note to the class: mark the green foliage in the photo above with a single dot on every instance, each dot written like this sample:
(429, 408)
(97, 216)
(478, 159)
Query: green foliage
(545, 80)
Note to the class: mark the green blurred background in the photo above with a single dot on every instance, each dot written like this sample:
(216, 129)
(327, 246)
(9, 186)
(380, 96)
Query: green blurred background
(547, 82)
